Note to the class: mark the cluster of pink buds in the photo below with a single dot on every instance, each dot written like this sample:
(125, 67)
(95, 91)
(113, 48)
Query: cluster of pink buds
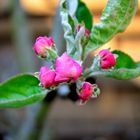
(66, 69)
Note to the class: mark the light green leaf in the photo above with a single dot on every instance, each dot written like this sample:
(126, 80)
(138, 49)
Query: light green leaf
(138, 64)
(121, 74)
(73, 42)
(72, 6)
(21, 90)
(115, 18)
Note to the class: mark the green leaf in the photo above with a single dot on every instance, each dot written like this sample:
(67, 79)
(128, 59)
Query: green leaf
(124, 60)
(21, 90)
(83, 15)
(121, 74)
(115, 18)
(126, 68)
(138, 64)
(71, 22)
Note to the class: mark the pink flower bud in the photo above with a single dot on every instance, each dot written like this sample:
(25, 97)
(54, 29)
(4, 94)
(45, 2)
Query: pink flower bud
(86, 91)
(67, 69)
(42, 44)
(108, 59)
(86, 33)
(47, 77)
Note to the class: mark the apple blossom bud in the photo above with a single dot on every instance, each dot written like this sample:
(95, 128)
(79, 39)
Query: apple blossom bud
(47, 77)
(43, 44)
(88, 91)
(85, 91)
(67, 69)
(107, 59)
(86, 32)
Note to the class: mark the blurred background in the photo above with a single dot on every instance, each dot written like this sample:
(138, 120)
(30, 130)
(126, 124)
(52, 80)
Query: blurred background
(115, 115)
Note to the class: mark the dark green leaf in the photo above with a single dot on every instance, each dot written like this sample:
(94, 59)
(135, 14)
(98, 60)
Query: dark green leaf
(115, 18)
(124, 60)
(83, 15)
(21, 90)
(71, 22)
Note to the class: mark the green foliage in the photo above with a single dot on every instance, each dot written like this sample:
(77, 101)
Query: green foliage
(71, 15)
(83, 15)
(115, 18)
(124, 60)
(73, 42)
(126, 68)
(121, 73)
(71, 22)
(21, 90)
(24, 89)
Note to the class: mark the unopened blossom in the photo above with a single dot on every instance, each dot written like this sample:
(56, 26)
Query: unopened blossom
(85, 91)
(42, 44)
(107, 59)
(67, 69)
(88, 91)
(47, 77)
(86, 31)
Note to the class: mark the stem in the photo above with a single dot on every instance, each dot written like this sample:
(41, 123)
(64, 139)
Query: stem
(40, 119)
(83, 53)
(84, 45)
(92, 74)
(34, 122)
(86, 73)
(89, 72)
